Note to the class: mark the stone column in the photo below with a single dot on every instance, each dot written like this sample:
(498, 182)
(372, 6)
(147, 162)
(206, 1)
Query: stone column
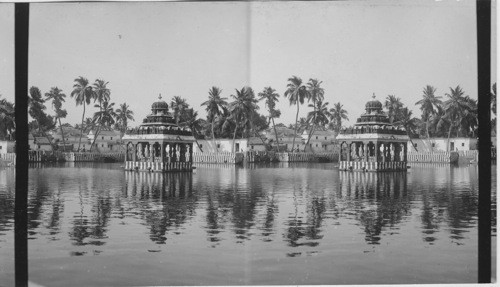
(405, 149)
(151, 151)
(376, 150)
(388, 152)
(348, 151)
(191, 153)
(162, 154)
(396, 152)
(134, 152)
(367, 151)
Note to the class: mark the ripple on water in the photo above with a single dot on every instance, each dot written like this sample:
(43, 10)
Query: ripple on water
(223, 222)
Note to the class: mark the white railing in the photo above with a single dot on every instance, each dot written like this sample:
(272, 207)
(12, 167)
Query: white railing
(219, 157)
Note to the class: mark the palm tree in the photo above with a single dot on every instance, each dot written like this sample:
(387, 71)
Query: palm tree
(296, 93)
(215, 107)
(319, 117)
(105, 117)
(316, 93)
(43, 122)
(468, 122)
(191, 121)
(101, 92)
(82, 93)
(123, 114)
(178, 105)
(338, 114)
(454, 108)
(55, 94)
(269, 94)
(241, 108)
(428, 105)
(7, 119)
(408, 122)
(393, 106)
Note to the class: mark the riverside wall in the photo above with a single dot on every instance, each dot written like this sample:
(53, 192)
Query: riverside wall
(262, 156)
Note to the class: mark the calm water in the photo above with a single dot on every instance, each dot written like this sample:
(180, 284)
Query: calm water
(95, 224)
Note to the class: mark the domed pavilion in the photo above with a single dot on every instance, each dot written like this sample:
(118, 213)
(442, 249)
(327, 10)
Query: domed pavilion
(159, 144)
(373, 143)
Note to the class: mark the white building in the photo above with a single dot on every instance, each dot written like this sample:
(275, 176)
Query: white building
(39, 143)
(7, 146)
(441, 144)
(226, 145)
(106, 141)
(285, 139)
(321, 141)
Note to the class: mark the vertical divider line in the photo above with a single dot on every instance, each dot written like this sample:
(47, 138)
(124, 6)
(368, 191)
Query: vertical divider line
(21, 21)
(483, 18)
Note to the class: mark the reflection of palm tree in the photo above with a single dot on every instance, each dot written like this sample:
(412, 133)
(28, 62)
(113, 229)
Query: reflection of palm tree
(79, 231)
(213, 225)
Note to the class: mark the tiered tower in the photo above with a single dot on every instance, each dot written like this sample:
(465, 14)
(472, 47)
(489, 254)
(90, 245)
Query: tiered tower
(159, 144)
(373, 144)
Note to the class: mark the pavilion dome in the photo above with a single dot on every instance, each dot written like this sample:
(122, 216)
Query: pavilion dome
(373, 104)
(159, 105)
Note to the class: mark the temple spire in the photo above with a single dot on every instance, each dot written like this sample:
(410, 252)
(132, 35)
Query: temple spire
(159, 97)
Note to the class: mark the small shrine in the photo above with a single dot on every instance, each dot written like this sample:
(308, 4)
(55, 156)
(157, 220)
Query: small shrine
(373, 143)
(159, 144)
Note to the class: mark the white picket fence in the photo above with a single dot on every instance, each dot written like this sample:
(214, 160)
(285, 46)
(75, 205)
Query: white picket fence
(302, 156)
(220, 157)
(429, 157)
(92, 156)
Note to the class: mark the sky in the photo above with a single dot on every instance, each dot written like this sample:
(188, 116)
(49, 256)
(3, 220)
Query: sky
(356, 48)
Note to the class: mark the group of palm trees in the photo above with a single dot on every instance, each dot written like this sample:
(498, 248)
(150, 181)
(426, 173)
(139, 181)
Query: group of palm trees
(456, 114)
(104, 119)
(242, 116)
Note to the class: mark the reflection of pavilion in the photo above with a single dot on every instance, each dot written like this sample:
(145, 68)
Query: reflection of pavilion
(159, 144)
(158, 185)
(373, 144)
(380, 200)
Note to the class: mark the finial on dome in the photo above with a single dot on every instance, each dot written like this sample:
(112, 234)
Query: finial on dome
(373, 95)
(159, 97)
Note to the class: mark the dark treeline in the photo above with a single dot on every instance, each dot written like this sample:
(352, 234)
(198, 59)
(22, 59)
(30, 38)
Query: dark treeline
(454, 114)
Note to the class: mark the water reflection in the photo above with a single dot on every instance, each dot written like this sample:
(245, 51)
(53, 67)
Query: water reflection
(297, 203)
(285, 210)
(168, 201)
(380, 200)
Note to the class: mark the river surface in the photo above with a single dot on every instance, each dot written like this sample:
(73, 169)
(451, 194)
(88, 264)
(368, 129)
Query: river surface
(97, 225)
